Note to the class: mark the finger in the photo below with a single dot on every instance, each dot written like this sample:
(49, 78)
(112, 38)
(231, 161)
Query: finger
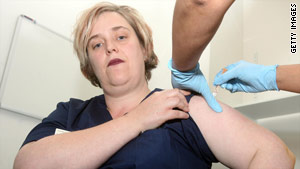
(227, 86)
(176, 99)
(177, 93)
(179, 102)
(176, 114)
(231, 66)
(224, 85)
(223, 76)
(212, 102)
(210, 99)
(182, 91)
(234, 88)
(233, 85)
(228, 75)
(185, 92)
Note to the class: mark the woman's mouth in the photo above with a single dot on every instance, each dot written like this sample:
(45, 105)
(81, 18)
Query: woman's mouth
(115, 62)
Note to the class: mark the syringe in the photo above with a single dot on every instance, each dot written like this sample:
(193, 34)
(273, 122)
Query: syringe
(215, 92)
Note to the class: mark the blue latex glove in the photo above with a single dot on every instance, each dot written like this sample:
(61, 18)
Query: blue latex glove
(194, 80)
(247, 77)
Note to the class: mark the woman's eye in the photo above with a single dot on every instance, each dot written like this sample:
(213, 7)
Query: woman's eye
(121, 37)
(98, 45)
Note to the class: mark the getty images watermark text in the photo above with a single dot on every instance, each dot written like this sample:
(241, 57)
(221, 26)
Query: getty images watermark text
(293, 27)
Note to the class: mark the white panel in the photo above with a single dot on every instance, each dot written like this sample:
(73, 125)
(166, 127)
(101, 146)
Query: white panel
(42, 71)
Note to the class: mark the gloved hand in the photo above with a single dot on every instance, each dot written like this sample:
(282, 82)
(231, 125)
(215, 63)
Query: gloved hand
(194, 80)
(247, 77)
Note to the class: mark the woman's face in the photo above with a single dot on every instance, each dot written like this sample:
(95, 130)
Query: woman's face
(115, 53)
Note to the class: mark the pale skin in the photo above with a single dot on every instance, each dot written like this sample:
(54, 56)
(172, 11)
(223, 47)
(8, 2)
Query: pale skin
(288, 77)
(236, 141)
(220, 130)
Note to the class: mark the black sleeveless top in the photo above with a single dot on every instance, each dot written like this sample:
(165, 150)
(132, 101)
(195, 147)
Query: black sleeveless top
(177, 144)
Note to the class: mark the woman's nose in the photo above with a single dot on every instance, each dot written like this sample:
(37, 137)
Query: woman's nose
(111, 47)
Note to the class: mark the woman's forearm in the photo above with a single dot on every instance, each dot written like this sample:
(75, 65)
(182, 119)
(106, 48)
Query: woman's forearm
(194, 24)
(88, 148)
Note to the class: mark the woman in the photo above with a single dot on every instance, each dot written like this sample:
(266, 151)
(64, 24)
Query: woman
(132, 127)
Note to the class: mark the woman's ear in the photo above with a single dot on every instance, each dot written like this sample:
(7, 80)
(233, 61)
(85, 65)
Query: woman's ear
(144, 53)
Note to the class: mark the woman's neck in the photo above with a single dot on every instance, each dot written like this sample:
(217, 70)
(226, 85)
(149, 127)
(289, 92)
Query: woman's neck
(125, 101)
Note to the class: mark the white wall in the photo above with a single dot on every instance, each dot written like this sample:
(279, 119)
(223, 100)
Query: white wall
(267, 41)
(60, 15)
(258, 32)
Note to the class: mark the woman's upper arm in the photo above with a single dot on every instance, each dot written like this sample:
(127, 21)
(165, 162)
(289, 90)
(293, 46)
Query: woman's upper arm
(232, 138)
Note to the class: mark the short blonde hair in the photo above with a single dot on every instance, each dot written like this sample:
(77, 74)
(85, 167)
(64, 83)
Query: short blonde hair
(83, 29)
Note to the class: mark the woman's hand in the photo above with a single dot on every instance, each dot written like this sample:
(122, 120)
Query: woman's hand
(161, 107)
